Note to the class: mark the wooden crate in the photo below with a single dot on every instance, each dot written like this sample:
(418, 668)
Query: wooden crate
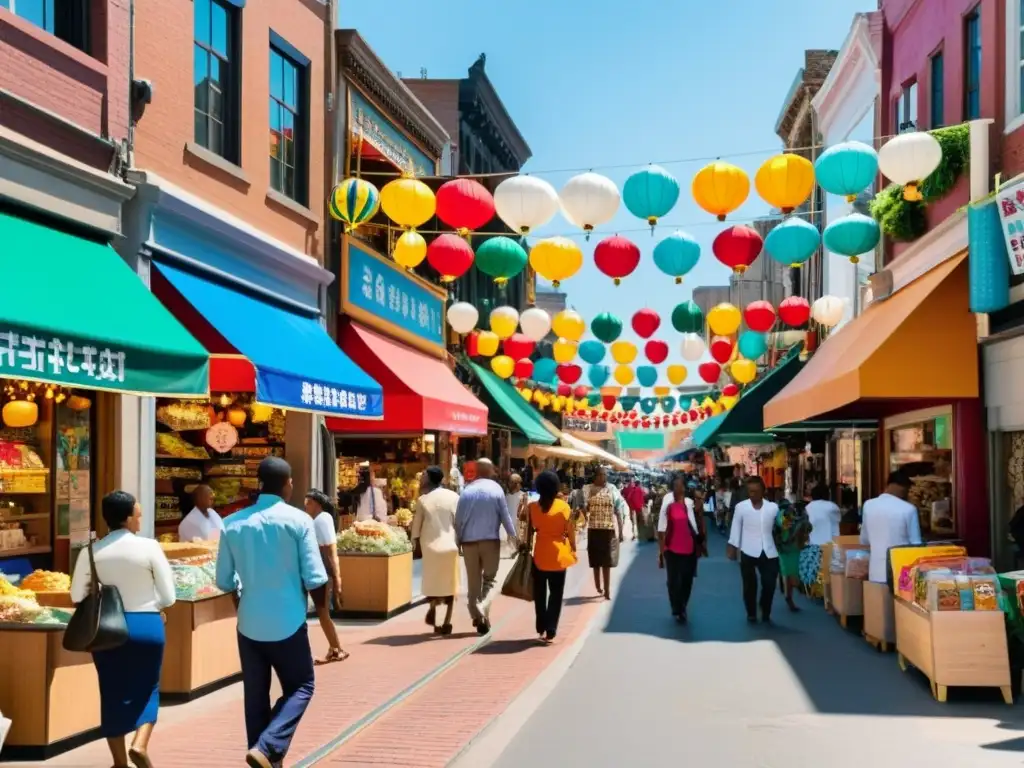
(375, 586)
(879, 616)
(847, 597)
(954, 648)
(202, 647)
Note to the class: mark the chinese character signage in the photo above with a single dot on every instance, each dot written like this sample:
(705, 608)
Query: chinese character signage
(287, 390)
(1011, 213)
(368, 122)
(379, 293)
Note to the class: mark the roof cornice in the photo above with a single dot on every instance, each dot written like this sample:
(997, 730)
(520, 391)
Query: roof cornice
(483, 89)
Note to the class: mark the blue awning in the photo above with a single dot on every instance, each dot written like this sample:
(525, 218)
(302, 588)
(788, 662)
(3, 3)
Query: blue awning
(297, 365)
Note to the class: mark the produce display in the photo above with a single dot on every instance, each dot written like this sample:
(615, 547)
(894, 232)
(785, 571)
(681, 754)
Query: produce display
(18, 605)
(370, 537)
(47, 581)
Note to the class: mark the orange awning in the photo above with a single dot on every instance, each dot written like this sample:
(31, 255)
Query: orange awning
(920, 343)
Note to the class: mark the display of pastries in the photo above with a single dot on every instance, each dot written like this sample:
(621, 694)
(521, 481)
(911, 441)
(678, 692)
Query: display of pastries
(184, 415)
(173, 446)
(47, 581)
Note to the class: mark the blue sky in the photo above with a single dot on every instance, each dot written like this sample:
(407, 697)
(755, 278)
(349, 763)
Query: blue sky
(594, 84)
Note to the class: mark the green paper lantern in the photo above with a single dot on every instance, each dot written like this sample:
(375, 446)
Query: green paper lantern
(501, 257)
(607, 327)
(687, 318)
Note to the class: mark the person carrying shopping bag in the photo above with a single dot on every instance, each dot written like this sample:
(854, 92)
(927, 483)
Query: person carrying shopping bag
(554, 551)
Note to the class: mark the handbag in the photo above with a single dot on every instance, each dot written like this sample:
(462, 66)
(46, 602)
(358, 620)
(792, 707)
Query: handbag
(98, 623)
(519, 581)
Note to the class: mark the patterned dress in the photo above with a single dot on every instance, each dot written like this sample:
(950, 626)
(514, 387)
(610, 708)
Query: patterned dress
(603, 505)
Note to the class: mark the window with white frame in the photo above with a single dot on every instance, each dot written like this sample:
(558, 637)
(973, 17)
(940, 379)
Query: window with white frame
(906, 109)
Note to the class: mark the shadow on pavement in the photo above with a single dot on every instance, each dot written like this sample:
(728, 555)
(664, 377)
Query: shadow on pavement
(399, 641)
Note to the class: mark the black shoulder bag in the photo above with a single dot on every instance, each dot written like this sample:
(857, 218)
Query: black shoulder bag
(98, 623)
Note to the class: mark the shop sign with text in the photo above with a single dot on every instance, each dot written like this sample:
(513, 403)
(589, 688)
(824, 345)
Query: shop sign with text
(1011, 213)
(372, 126)
(288, 391)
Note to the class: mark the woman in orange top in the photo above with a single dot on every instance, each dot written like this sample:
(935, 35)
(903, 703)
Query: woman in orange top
(553, 552)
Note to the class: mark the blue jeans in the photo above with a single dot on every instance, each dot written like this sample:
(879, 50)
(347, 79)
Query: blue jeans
(270, 730)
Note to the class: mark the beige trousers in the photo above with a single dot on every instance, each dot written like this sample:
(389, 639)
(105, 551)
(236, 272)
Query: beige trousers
(482, 559)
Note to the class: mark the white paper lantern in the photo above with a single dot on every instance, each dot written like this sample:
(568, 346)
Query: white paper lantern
(504, 321)
(693, 346)
(462, 317)
(909, 159)
(590, 200)
(525, 203)
(535, 323)
(828, 311)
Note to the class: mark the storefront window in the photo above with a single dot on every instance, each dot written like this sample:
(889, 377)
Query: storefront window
(922, 448)
(397, 465)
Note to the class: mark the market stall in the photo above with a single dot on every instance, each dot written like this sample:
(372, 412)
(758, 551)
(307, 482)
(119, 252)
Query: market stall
(375, 560)
(848, 572)
(920, 444)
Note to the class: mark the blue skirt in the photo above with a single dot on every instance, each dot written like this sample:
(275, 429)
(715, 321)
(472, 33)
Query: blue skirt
(130, 676)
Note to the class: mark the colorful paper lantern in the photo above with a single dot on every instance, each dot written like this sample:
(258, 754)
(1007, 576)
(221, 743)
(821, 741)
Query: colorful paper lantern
(661, 390)
(589, 200)
(564, 350)
(450, 255)
(624, 375)
(526, 393)
(908, 159)
(730, 390)
(795, 311)
(581, 391)
(676, 374)
(598, 375)
(503, 366)
(616, 257)
(623, 352)
(752, 344)
(759, 316)
(501, 257)
(645, 322)
(647, 375)
(354, 202)
(724, 319)
(737, 247)
(709, 372)
(20, 414)
(721, 349)
(650, 194)
(410, 249)
(518, 346)
(676, 255)
(535, 322)
(569, 373)
(648, 405)
(785, 181)
(591, 351)
(525, 203)
(523, 369)
(656, 351)
(408, 202)
(847, 169)
(464, 205)
(828, 311)
(607, 327)
(608, 402)
(668, 403)
(568, 324)
(504, 321)
(692, 347)
(687, 318)
(743, 371)
(728, 401)
(487, 343)
(462, 317)
(852, 236)
(720, 188)
(544, 370)
(792, 242)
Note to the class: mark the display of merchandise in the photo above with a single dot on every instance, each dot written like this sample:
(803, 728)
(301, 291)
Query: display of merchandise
(857, 564)
(371, 537)
(47, 581)
(18, 604)
(195, 578)
(956, 584)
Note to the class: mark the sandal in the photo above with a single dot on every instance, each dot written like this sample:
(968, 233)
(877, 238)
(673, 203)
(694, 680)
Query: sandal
(333, 655)
(139, 758)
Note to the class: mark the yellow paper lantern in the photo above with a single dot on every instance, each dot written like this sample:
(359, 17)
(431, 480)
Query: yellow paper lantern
(676, 374)
(557, 403)
(568, 324)
(410, 250)
(611, 391)
(237, 417)
(707, 402)
(503, 366)
(743, 371)
(662, 391)
(19, 414)
(717, 409)
(261, 413)
(504, 321)
(556, 259)
(526, 393)
(563, 351)
(728, 401)
(724, 319)
(623, 352)
(785, 181)
(720, 188)
(624, 375)
(408, 201)
(487, 343)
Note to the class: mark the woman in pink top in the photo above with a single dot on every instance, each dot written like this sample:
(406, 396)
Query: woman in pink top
(680, 541)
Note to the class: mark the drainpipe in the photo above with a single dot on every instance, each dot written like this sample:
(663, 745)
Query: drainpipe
(981, 163)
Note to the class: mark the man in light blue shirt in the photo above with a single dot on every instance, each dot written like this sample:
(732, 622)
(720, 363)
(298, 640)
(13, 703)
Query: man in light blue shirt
(269, 551)
(481, 513)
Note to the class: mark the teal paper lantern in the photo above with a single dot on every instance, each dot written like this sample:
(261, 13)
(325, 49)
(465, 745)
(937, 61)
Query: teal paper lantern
(847, 169)
(628, 402)
(687, 318)
(647, 375)
(648, 405)
(544, 370)
(650, 194)
(598, 376)
(753, 344)
(852, 235)
(593, 399)
(792, 242)
(591, 352)
(607, 327)
(676, 255)
(668, 404)
(500, 257)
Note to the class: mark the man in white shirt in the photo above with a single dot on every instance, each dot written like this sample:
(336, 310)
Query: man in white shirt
(889, 521)
(202, 522)
(751, 536)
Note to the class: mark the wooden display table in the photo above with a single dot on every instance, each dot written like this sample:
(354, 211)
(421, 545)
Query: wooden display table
(51, 695)
(847, 597)
(202, 648)
(374, 586)
(954, 648)
(879, 616)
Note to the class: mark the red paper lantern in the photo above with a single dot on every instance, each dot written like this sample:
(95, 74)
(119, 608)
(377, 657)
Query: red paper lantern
(710, 372)
(738, 247)
(646, 423)
(581, 414)
(451, 256)
(464, 204)
(523, 369)
(563, 390)
(518, 346)
(694, 415)
(759, 316)
(730, 390)
(657, 421)
(606, 415)
(683, 418)
(472, 350)
(568, 373)
(581, 391)
(594, 413)
(656, 351)
(721, 349)
(645, 322)
(608, 401)
(795, 311)
(617, 257)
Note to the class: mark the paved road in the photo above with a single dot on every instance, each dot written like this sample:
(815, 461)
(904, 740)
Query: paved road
(721, 692)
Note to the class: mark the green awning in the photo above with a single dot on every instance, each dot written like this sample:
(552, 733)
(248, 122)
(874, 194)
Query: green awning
(518, 413)
(73, 313)
(744, 422)
(635, 440)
